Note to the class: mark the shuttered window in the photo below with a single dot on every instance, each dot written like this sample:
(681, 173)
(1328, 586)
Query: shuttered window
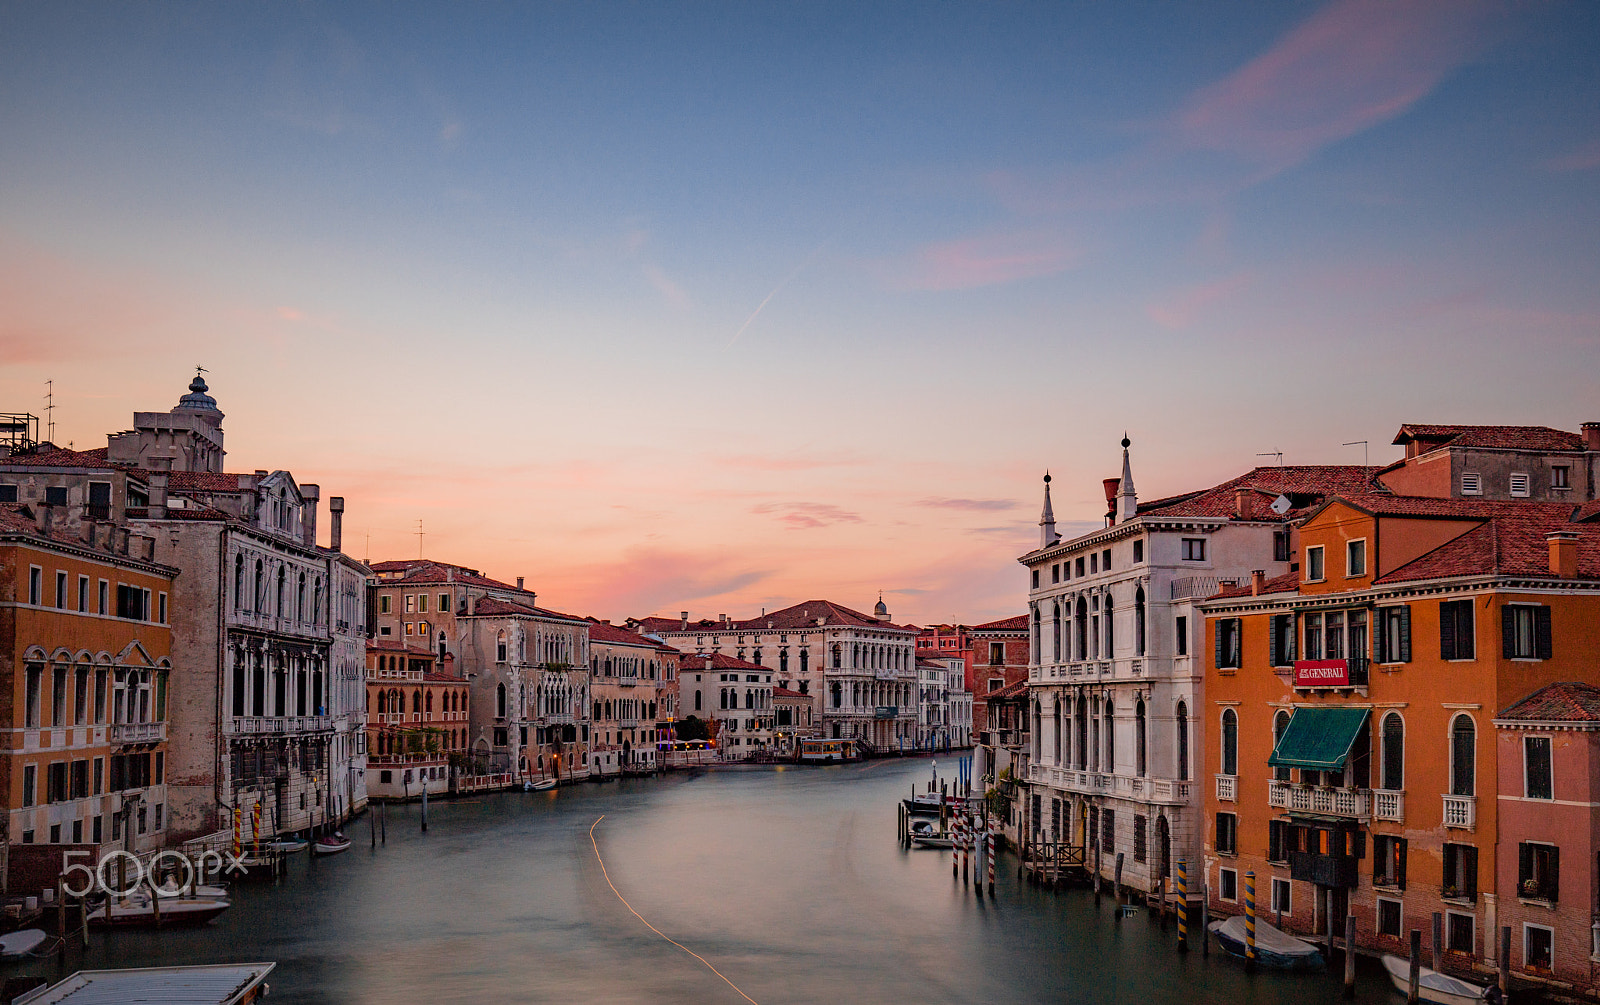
(1456, 640)
(1394, 751)
(1525, 632)
(1463, 756)
(1228, 645)
(1392, 642)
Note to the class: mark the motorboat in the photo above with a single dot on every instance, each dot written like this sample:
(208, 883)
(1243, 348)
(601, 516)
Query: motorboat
(138, 910)
(1431, 985)
(542, 785)
(932, 841)
(1274, 948)
(923, 827)
(16, 945)
(330, 844)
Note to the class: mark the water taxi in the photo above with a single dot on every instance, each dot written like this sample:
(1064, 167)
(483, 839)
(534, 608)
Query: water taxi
(824, 751)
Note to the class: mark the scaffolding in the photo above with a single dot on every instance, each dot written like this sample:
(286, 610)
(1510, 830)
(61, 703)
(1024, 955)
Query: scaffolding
(19, 433)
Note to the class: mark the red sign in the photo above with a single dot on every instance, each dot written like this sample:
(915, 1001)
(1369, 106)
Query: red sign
(1321, 673)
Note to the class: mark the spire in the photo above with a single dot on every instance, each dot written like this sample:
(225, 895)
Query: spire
(1127, 500)
(1047, 519)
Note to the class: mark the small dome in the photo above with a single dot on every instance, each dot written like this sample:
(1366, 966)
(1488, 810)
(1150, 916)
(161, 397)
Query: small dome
(882, 610)
(197, 400)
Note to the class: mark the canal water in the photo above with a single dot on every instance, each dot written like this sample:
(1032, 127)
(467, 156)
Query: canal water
(788, 881)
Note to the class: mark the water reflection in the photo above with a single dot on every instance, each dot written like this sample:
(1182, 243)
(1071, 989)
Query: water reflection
(789, 882)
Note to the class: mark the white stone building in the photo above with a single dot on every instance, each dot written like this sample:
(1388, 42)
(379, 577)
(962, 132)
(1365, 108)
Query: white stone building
(735, 694)
(944, 706)
(1116, 679)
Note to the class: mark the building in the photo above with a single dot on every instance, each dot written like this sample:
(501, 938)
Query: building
(629, 680)
(1000, 755)
(1352, 700)
(1116, 680)
(85, 650)
(741, 707)
(862, 667)
(417, 721)
(998, 659)
(347, 669)
(1547, 754)
(794, 716)
(944, 706)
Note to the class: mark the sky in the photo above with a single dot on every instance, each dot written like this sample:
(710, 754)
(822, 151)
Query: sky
(720, 307)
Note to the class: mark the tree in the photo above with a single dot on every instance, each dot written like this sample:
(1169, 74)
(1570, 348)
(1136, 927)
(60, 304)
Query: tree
(692, 728)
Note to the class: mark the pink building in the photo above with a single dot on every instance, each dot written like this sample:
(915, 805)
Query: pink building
(1549, 770)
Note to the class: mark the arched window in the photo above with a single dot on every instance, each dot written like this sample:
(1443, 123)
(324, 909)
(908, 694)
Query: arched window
(1280, 722)
(1139, 739)
(1394, 752)
(1111, 737)
(1183, 742)
(416, 701)
(1138, 622)
(1230, 742)
(442, 651)
(238, 582)
(1463, 756)
(805, 660)
(783, 660)
(722, 697)
(1083, 629)
(1082, 760)
(283, 581)
(1038, 655)
(838, 657)
(300, 599)
(1055, 715)
(428, 703)
(1038, 731)
(500, 701)
(1110, 650)
(316, 602)
(838, 690)
(1055, 633)
(500, 647)
(697, 701)
(260, 589)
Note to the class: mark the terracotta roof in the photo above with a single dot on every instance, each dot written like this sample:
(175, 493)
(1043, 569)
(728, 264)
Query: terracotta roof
(719, 661)
(1289, 582)
(599, 631)
(442, 678)
(494, 606)
(1588, 511)
(380, 646)
(425, 572)
(1306, 485)
(1511, 543)
(1434, 435)
(194, 513)
(783, 692)
(803, 615)
(16, 518)
(1016, 690)
(61, 457)
(1567, 701)
(203, 481)
(1019, 623)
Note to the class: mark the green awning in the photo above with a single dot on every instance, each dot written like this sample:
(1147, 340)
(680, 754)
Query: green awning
(1318, 738)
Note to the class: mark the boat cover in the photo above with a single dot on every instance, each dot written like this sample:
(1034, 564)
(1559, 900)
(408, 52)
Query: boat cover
(1267, 937)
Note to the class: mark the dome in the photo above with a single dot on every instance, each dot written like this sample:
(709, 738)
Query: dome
(197, 400)
(882, 610)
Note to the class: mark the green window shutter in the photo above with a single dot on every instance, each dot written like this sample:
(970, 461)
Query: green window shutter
(1508, 631)
(1469, 866)
(1217, 642)
(1291, 625)
(1466, 637)
(1447, 630)
(1272, 640)
(1405, 634)
(1541, 632)
(1380, 641)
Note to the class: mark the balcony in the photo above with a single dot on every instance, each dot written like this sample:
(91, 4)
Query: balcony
(1353, 803)
(283, 724)
(1166, 790)
(1227, 788)
(1461, 812)
(137, 732)
(1324, 870)
(1389, 804)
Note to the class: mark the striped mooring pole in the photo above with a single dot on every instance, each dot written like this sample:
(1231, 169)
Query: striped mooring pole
(1183, 905)
(989, 854)
(1250, 915)
(955, 847)
(966, 851)
(238, 831)
(255, 825)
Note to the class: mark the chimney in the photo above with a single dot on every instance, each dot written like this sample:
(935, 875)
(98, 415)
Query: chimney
(336, 523)
(44, 515)
(1244, 503)
(684, 617)
(158, 495)
(312, 494)
(1111, 484)
(519, 582)
(1591, 436)
(1563, 553)
(1258, 582)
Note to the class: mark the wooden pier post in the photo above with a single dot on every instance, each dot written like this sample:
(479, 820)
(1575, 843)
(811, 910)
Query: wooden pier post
(1438, 938)
(424, 806)
(1183, 905)
(1350, 956)
(1416, 966)
(385, 822)
(1205, 920)
(1505, 959)
(1249, 919)
(1116, 884)
(61, 914)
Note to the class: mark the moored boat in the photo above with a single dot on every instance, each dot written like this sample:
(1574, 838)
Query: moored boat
(330, 844)
(1431, 985)
(1274, 948)
(138, 911)
(216, 984)
(287, 846)
(16, 945)
(542, 785)
(932, 841)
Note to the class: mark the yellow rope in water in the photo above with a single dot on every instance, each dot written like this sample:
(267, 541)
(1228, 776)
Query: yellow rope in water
(647, 924)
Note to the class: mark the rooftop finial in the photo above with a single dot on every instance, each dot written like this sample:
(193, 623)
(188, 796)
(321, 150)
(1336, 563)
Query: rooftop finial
(1047, 519)
(1127, 500)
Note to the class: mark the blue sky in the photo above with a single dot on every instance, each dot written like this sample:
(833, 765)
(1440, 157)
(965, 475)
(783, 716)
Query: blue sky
(740, 304)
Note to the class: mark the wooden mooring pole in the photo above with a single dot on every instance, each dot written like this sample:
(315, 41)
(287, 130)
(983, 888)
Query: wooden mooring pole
(1350, 956)
(1416, 967)
(1438, 937)
(1505, 959)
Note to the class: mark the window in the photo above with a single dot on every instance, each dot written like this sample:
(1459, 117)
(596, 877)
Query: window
(1456, 640)
(1560, 477)
(1194, 549)
(1055, 573)
(1394, 752)
(1463, 756)
(1538, 947)
(1181, 635)
(1459, 934)
(1393, 642)
(1537, 780)
(1519, 484)
(105, 597)
(997, 654)
(35, 585)
(1228, 643)
(1036, 579)
(1108, 830)
(61, 590)
(1280, 546)
(83, 594)
(35, 684)
(1138, 552)
(30, 784)
(55, 495)
(1140, 839)
(411, 603)
(1080, 568)
(1355, 558)
(444, 603)
(1280, 640)
(1139, 742)
(162, 618)
(1228, 884)
(1388, 861)
(1280, 895)
(1314, 569)
(422, 603)
(1105, 560)
(1525, 632)
(1389, 918)
(8, 493)
(1471, 483)
(133, 603)
(56, 785)
(1183, 741)
(1277, 840)
(1538, 870)
(384, 604)
(1094, 563)
(1280, 725)
(1460, 872)
(1230, 742)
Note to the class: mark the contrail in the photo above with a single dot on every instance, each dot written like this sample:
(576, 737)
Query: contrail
(778, 289)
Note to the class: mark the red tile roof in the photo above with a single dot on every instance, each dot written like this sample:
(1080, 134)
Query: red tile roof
(1018, 623)
(16, 518)
(719, 661)
(203, 481)
(803, 615)
(1567, 701)
(1512, 543)
(442, 678)
(783, 692)
(380, 646)
(426, 572)
(599, 631)
(1305, 485)
(1016, 690)
(495, 607)
(61, 457)
(1289, 582)
(1433, 436)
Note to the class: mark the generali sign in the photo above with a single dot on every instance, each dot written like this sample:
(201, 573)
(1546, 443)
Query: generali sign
(1321, 673)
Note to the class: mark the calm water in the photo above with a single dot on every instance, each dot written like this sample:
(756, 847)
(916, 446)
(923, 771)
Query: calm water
(789, 881)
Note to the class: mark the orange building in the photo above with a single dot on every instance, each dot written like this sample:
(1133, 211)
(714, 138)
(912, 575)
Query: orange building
(85, 646)
(1351, 704)
(416, 721)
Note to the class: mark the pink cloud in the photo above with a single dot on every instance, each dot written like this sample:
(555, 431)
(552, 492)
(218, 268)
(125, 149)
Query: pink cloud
(787, 462)
(807, 516)
(1352, 65)
(1184, 306)
(971, 262)
(1585, 158)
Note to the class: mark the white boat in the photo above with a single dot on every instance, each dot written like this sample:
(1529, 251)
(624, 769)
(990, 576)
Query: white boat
(542, 785)
(16, 945)
(1274, 948)
(137, 911)
(288, 846)
(217, 984)
(1431, 985)
(330, 844)
(932, 841)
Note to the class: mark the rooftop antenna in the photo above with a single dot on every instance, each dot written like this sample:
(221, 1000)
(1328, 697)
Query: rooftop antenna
(1273, 453)
(1363, 450)
(419, 539)
(368, 559)
(50, 411)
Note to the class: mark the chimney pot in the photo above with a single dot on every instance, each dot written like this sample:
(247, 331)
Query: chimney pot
(1258, 581)
(1563, 553)
(519, 582)
(1111, 486)
(1244, 503)
(336, 523)
(684, 617)
(1591, 436)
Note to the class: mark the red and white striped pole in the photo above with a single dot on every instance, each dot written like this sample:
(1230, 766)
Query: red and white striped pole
(989, 855)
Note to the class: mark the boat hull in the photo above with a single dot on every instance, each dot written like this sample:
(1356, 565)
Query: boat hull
(1441, 989)
(1266, 957)
(330, 849)
(175, 913)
